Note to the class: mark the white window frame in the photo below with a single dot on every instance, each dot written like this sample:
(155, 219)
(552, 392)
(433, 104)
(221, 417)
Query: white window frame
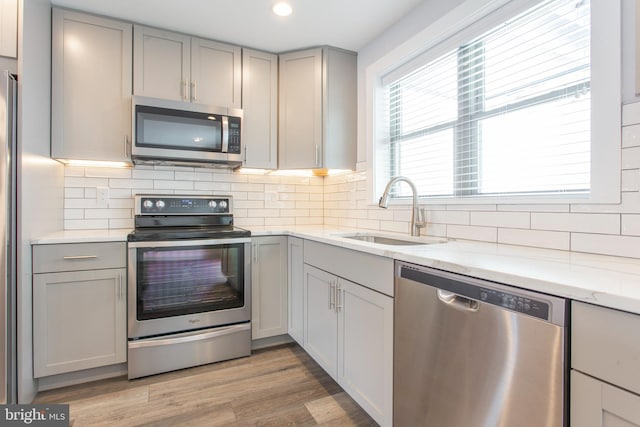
(470, 19)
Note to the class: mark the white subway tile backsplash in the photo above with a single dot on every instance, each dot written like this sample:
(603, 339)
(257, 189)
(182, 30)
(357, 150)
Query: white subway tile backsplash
(586, 223)
(630, 180)
(631, 114)
(469, 232)
(107, 172)
(74, 213)
(541, 239)
(73, 193)
(501, 219)
(448, 217)
(194, 176)
(152, 174)
(630, 136)
(631, 158)
(625, 246)
(630, 225)
(74, 181)
(138, 184)
(173, 185)
(219, 187)
(108, 213)
(86, 224)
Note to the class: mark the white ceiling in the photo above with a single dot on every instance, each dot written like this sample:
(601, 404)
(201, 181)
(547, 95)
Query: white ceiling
(349, 24)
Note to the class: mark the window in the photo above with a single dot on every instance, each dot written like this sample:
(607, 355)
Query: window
(506, 113)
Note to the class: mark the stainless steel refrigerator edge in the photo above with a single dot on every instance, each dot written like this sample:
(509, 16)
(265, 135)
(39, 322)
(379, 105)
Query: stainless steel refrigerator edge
(8, 227)
(469, 352)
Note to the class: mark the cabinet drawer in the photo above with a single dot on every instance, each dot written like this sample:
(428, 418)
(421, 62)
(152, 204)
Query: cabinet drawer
(605, 343)
(372, 271)
(79, 256)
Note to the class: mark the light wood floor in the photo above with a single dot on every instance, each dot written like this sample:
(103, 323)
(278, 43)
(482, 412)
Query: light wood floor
(274, 387)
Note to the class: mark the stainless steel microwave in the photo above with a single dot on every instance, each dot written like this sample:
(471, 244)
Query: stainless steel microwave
(185, 134)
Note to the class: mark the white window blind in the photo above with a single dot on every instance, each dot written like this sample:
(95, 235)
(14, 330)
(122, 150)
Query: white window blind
(507, 113)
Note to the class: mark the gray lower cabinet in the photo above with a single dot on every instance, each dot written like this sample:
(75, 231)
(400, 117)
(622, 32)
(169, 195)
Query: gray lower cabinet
(605, 375)
(348, 322)
(90, 87)
(79, 307)
(268, 286)
(296, 289)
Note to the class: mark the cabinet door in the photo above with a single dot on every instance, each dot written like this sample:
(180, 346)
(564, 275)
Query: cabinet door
(91, 87)
(300, 119)
(320, 318)
(216, 73)
(9, 28)
(269, 287)
(260, 107)
(365, 348)
(161, 64)
(79, 320)
(296, 289)
(598, 404)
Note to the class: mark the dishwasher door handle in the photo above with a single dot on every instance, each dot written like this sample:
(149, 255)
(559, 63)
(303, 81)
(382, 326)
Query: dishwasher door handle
(457, 301)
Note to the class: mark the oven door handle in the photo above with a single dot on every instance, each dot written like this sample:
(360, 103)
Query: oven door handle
(187, 242)
(190, 336)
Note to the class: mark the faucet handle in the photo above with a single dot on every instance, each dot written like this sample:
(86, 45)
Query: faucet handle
(422, 217)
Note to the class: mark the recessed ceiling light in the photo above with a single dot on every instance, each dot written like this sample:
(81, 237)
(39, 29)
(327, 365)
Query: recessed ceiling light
(282, 9)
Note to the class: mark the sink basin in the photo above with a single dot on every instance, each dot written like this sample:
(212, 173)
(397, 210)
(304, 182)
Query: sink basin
(392, 241)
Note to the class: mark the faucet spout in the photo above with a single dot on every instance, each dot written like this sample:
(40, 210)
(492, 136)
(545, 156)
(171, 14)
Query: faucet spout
(416, 221)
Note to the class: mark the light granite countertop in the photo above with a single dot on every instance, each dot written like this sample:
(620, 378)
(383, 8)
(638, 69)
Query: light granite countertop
(603, 280)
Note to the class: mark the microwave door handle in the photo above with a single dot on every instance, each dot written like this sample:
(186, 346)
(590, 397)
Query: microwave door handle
(225, 134)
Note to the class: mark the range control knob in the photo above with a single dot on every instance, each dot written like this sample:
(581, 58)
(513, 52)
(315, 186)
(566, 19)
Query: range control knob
(213, 204)
(159, 204)
(148, 204)
(223, 204)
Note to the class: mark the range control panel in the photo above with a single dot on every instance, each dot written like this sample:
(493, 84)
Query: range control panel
(515, 302)
(182, 205)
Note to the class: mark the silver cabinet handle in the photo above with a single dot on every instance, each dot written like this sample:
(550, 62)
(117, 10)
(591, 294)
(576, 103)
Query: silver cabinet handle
(126, 146)
(338, 298)
(120, 286)
(317, 156)
(77, 257)
(255, 253)
(332, 295)
(185, 90)
(194, 86)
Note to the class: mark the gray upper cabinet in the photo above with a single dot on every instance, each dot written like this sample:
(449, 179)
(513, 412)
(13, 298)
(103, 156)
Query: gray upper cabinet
(182, 68)
(317, 121)
(260, 106)
(91, 87)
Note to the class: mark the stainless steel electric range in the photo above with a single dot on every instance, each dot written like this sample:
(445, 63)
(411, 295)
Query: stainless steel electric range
(189, 275)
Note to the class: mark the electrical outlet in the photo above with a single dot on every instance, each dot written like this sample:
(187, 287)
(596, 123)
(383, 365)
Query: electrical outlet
(102, 196)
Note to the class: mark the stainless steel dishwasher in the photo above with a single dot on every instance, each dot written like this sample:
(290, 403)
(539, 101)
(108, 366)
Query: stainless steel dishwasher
(473, 353)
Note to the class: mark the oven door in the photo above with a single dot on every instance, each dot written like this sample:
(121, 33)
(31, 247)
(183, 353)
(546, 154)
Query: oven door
(177, 286)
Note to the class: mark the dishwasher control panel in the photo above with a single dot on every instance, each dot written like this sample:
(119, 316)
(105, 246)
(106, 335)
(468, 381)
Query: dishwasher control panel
(516, 302)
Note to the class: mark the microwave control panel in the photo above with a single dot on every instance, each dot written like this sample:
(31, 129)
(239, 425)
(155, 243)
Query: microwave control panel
(234, 135)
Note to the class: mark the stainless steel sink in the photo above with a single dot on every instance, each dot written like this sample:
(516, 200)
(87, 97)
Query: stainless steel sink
(392, 241)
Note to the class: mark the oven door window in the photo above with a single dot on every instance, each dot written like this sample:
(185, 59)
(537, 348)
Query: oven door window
(195, 279)
(174, 129)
